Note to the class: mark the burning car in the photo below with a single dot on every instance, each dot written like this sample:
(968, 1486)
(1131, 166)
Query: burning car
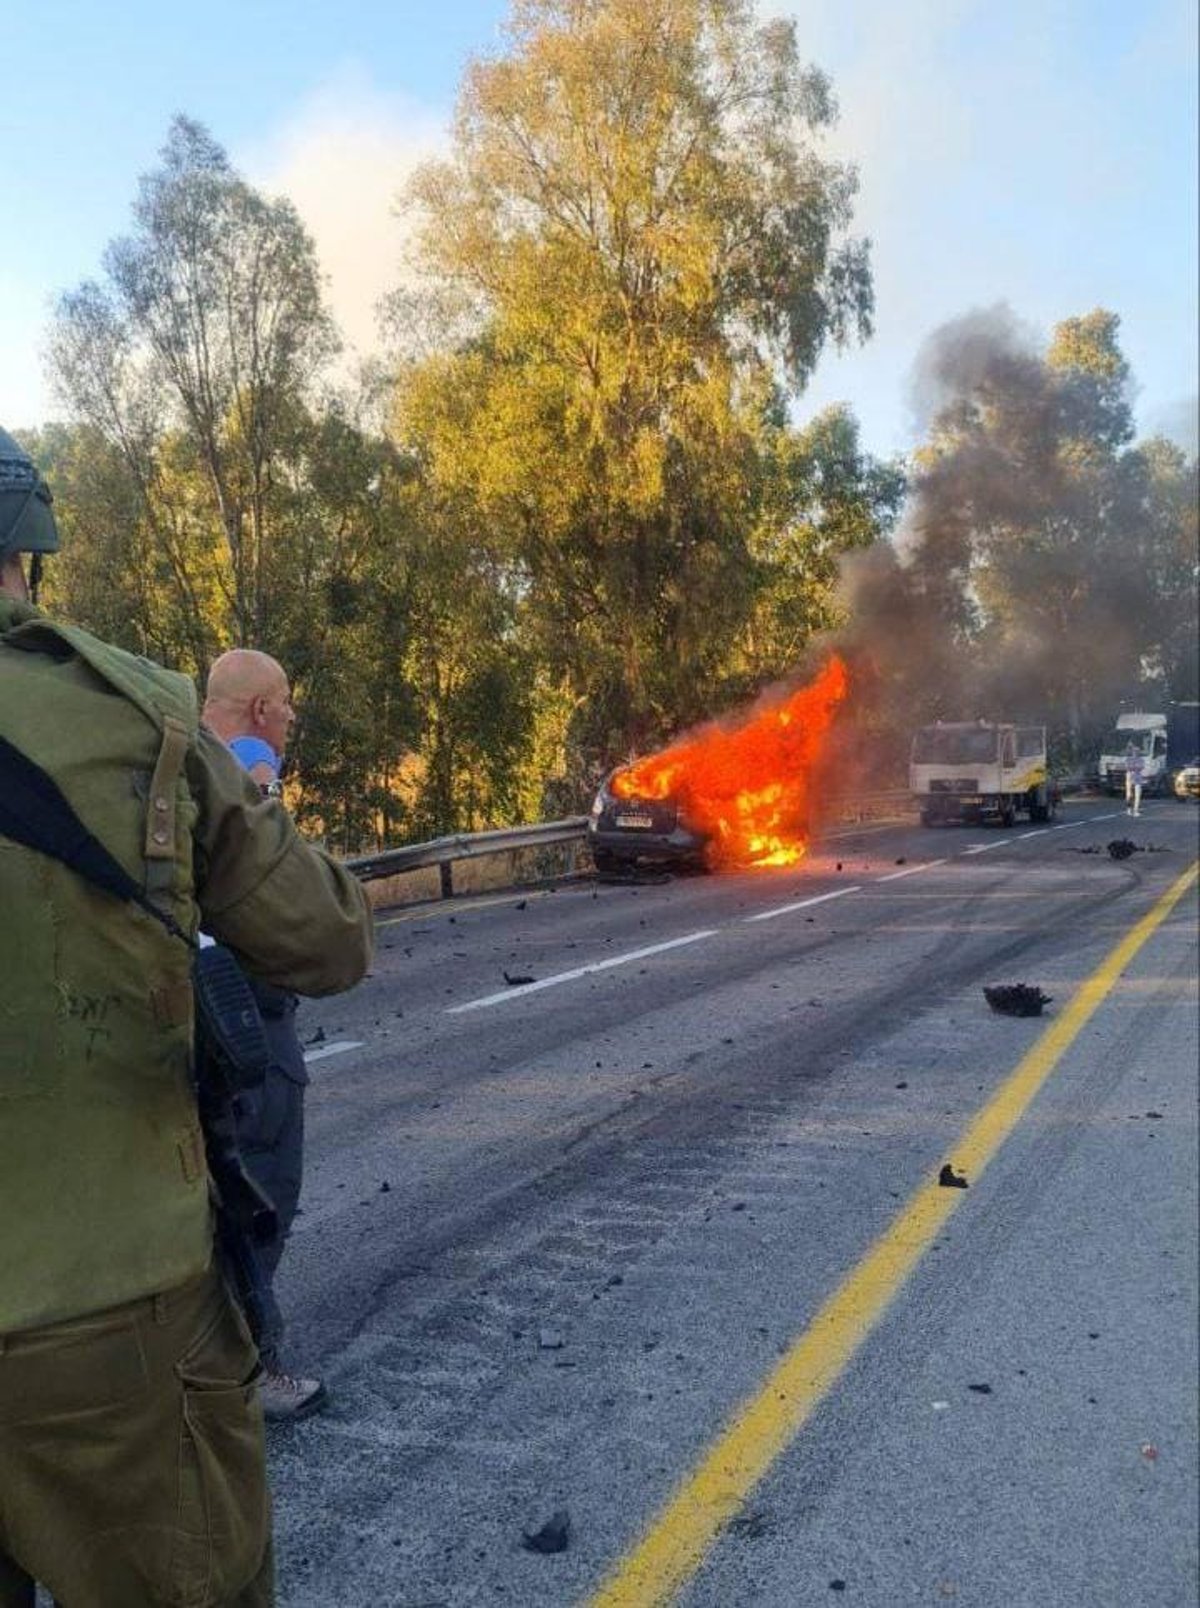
(731, 794)
(624, 828)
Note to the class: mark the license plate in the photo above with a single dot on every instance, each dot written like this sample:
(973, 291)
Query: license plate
(641, 821)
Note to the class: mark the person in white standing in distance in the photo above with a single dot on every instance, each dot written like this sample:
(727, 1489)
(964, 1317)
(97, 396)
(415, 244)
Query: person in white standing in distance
(1134, 767)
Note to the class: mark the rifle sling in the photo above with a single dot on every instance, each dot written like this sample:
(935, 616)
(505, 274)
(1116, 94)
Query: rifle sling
(35, 812)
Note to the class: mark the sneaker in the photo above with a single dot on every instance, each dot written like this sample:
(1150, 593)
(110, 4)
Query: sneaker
(285, 1397)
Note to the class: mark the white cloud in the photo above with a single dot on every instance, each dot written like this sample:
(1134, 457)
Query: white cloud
(343, 159)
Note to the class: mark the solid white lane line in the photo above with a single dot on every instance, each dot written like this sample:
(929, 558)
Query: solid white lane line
(579, 971)
(803, 904)
(1037, 833)
(338, 1048)
(985, 848)
(910, 871)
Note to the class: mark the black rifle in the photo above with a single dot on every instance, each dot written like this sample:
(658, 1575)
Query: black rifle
(231, 1045)
(231, 1058)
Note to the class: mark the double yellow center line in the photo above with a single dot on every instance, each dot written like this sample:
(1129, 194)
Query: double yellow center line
(676, 1542)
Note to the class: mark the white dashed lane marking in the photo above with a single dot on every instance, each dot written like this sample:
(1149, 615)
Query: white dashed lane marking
(520, 989)
(803, 904)
(912, 870)
(338, 1048)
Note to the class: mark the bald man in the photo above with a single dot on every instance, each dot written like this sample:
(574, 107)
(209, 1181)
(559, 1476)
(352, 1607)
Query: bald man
(248, 704)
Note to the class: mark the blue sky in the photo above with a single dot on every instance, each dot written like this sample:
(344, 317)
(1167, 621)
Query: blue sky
(1039, 154)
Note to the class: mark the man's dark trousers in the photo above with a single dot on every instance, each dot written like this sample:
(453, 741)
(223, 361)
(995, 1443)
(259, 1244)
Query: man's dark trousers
(271, 1125)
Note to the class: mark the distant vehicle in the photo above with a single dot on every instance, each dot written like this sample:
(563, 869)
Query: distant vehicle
(1187, 780)
(1147, 732)
(981, 770)
(1183, 744)
(623, 831)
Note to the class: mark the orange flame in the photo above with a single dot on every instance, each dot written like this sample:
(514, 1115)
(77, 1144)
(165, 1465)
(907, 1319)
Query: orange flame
(747, 786)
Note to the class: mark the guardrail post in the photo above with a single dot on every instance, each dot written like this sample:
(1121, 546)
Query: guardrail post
(446, 874)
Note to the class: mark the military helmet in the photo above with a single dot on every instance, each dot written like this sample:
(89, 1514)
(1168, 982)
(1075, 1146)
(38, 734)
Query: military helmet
(26, 518)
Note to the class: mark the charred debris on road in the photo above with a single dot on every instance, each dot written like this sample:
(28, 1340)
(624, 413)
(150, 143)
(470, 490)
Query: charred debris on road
(1016, 999)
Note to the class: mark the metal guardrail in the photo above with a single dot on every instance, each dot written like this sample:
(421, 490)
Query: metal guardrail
(443, 851)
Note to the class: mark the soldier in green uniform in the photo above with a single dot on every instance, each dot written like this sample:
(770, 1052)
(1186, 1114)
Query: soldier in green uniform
(131, 1443)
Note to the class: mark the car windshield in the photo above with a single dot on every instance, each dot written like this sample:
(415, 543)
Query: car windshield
(952, 745)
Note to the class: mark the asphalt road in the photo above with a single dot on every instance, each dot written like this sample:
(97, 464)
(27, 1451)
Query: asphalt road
(557, 1234)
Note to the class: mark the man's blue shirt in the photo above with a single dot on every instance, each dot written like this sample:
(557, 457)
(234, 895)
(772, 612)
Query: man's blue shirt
(251, 751)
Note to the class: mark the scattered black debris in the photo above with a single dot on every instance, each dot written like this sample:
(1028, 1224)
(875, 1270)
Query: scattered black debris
(981, 1390)
(1016, 999)
(902, 1085)
(518, 981)
(521, 903)
(554, 1535)
(839, 865)
(902, 860)
(1121, 849)
(1155, 1116)
(317, 1038)
(738, 1206)
(385, 1188)
(837, 1585)
(949, 1179)
(611, 1284)
(751, 1525)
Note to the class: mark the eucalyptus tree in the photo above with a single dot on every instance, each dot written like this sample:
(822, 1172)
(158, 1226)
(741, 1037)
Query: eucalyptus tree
(640, 249)
(194, 355)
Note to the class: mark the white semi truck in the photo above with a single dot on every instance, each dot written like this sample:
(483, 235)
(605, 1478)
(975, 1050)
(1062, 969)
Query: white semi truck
(1148, 734)
(981, 770)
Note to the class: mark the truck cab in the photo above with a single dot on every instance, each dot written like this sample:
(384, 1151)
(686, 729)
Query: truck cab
(980, 770)
(1148, 735)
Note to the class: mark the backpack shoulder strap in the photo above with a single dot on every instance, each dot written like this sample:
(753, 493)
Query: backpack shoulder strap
(167, 699)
